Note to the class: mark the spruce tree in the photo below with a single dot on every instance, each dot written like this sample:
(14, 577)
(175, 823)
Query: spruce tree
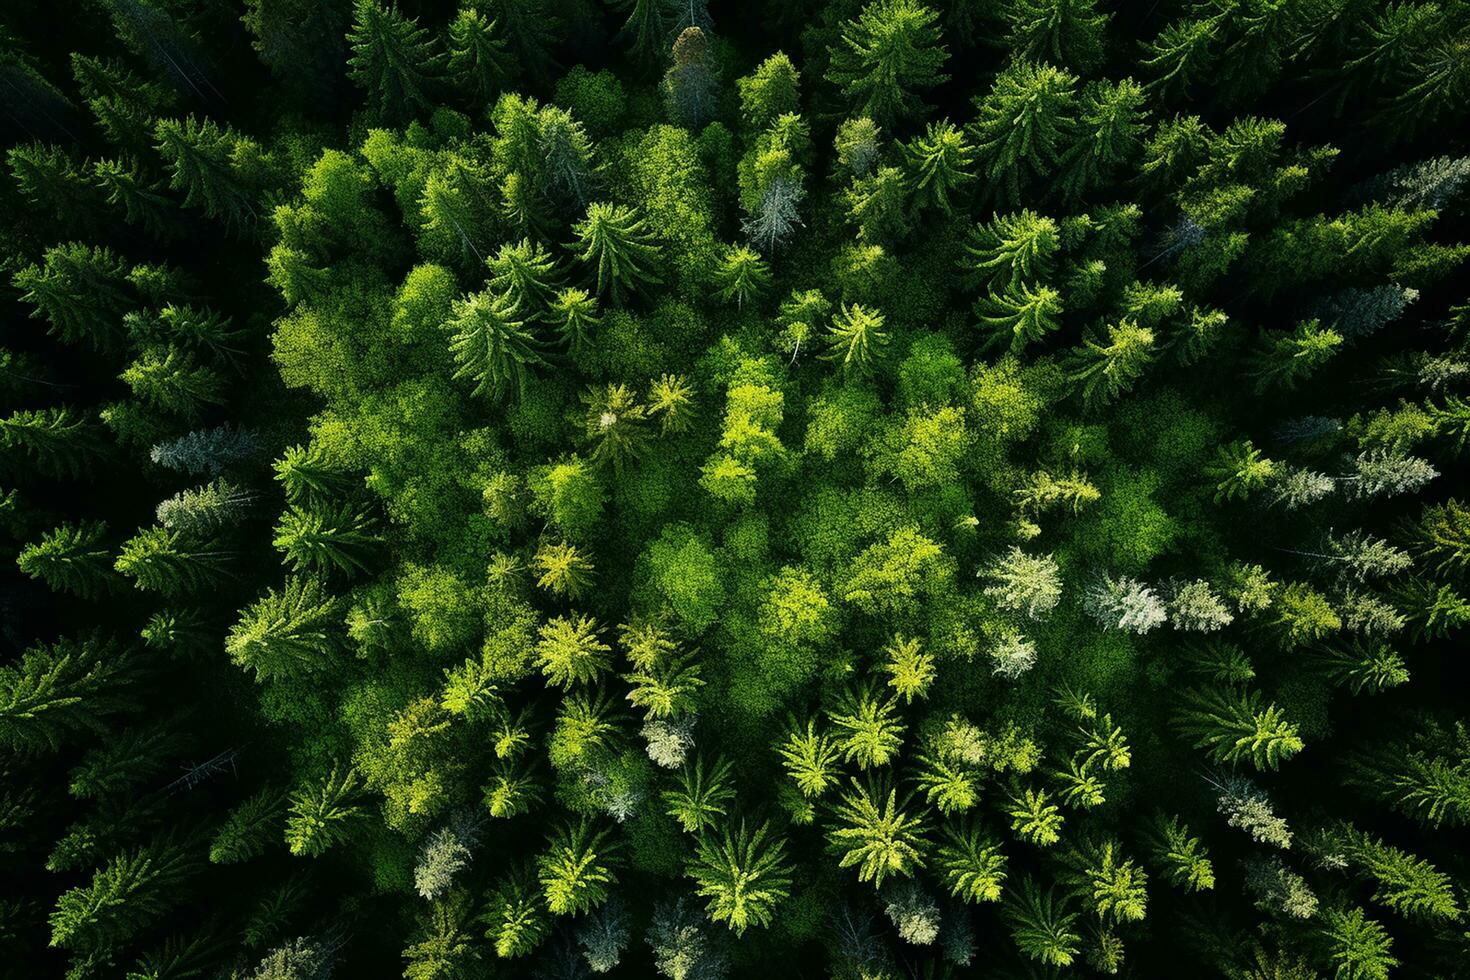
(886, 56)
(72, 558)
(613, 241)
(393, 61)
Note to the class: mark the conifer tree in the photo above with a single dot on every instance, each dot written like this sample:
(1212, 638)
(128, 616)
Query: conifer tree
(742, 275)
(72, 558)
(172, 380)
(287, 632)
(164, 560)
(703, 796)
(1041, 925)
(876, 833)
(689, 86)
(491, 345)
(319, 538)
(939, 164)
(201, 159)
(1069, 33)
(59, 690)
(1110, 363)
(886, 56)
(1019, 316)
(576, 870)
(82, 292)
(1011, 249)
(743, 875)
(1025, 126)
(856, 339)
(249, 828)
(134, 889)
(393, 61)
(322, 812)
(480, 63)
(1233, 725)
(612, 239)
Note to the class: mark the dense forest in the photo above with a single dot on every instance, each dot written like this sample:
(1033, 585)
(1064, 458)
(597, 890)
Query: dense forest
(790, 488)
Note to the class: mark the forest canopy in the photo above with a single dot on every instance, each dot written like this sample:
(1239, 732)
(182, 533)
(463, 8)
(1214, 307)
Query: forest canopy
(817, 488)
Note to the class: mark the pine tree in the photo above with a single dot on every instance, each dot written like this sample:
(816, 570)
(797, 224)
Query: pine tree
(1070, 33)
(744, 875)
(514, 915)
(81, 291)
(1025, 126)
(249, 828)
(614, 424)
(140, 198)
(393, 61)
(132, 891)
(72, 558)
(886, 56)
(205, 511)
(972, 866)
(742, 275)
(569, 165)
(563, 569)
(527, 276)
(1024, 583)
(939, 164)
(570, 652)
(810, 758)
(690, 85)
(1110, 363)
(1110, 123)
(1358, 947)
(910, 668)
(323, 812)
(576, 869)
(1113, 886)
(300, 41)
(604, 937)
(287, 632)
(574, 314)
(480, 64)
(869, 732)
(1405, 883)
(1285, 359)
(1233, 726)
(53, 183)
(319, 538)
(1125, 604)
(1182, 859)
(491, 345)
(170, 379)
(1240, 470)
(1019, 316)
(163, 560)
(703, 796)
(124, 105)
(856, 339)
(613, 240)
(1041, 925)
(769, 92)
(201, 159)
(876, 833)
(443, 946)
(1033, 817)
(1011, 249)
(59, 690)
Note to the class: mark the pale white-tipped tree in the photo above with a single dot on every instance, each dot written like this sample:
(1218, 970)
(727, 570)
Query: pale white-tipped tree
(1387, 473)
(669, 741)
(1195, 607)
(1125, 604)
(1012, 655)
(1298, 487)
(1019, 582)
(913, 913)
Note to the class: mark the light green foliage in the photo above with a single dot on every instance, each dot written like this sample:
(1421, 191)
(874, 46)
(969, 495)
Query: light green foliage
(877, 834)
(575, 870)
(744, 875)
(569, 651)
(491, 345)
